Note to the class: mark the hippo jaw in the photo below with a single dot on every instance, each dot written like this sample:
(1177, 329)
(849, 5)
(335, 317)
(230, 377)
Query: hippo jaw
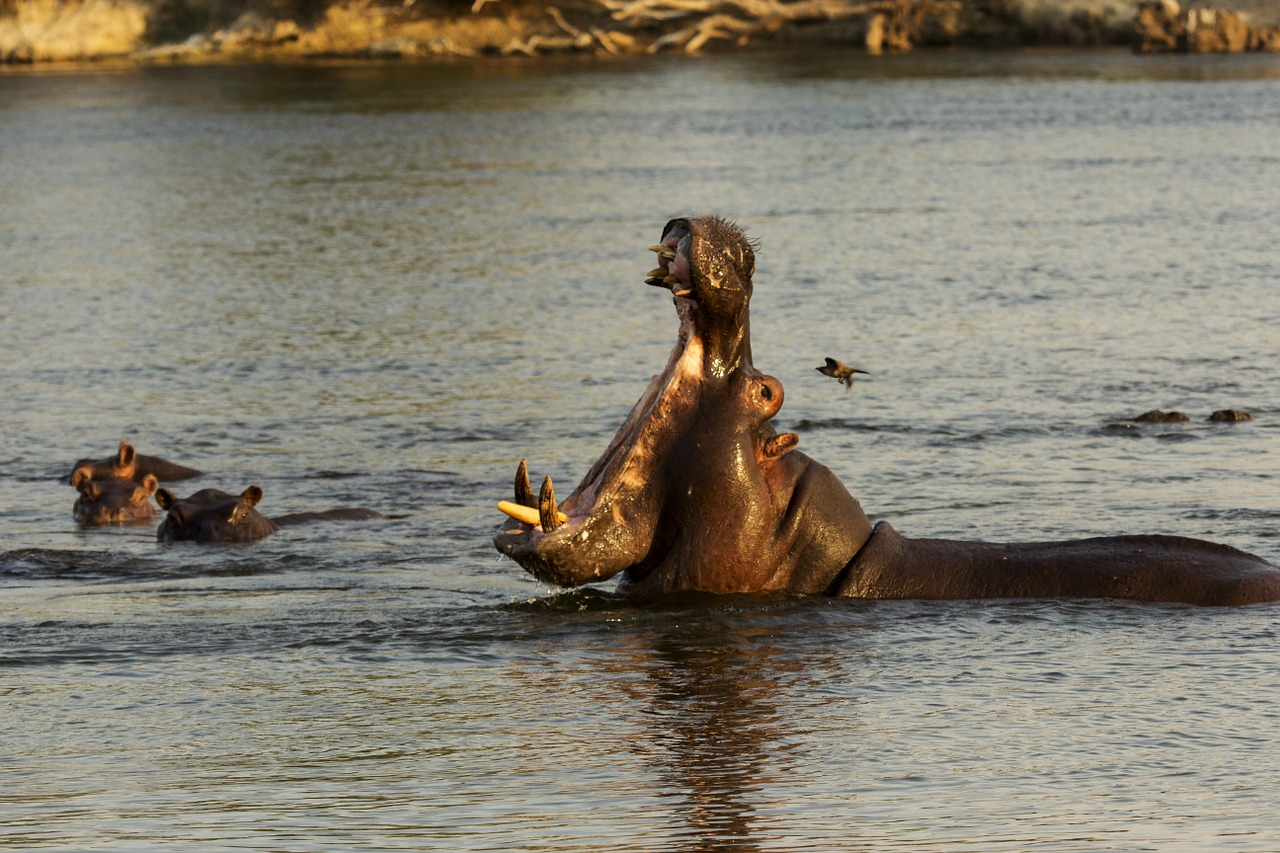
(606, 525)
(693, 491)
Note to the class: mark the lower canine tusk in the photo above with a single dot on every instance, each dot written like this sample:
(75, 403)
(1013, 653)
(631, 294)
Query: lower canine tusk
(526, 514)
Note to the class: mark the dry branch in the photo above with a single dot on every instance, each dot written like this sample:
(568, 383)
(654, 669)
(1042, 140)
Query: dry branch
(892, 24)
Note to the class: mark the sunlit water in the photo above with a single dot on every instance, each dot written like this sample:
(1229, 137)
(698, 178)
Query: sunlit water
(383, 286)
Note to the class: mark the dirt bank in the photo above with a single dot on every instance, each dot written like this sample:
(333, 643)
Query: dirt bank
(246, 30)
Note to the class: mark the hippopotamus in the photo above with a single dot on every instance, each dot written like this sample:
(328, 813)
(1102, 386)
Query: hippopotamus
(112, 500)
(212, 515)
(698, 491)
(129, 465)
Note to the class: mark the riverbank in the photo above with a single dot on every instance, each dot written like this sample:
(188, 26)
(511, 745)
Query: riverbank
(273, 30)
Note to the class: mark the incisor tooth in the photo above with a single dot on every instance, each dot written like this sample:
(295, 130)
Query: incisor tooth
(671, 279)
(684, 292)
(656, 272)
(525, 514)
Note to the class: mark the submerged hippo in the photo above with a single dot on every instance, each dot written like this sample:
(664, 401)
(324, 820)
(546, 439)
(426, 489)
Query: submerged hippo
(212, 515)
(114, 501)
(130, 465)
(698, 491)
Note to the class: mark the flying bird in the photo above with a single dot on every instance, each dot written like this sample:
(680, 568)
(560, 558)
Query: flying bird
(840, 371)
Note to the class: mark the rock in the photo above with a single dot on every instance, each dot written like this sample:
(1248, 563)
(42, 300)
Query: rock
(1161, 26)
(1157, 26)
(53, 31)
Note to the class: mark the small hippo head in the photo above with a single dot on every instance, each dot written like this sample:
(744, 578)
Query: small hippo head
(122, 466)
(113, 500)
(212, 515)
(127, 464)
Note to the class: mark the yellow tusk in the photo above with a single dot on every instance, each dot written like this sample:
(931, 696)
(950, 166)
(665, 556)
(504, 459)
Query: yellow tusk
(526, 514)
(684, 292)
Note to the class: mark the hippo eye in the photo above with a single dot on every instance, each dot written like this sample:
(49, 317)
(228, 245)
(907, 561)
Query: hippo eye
(238, 515)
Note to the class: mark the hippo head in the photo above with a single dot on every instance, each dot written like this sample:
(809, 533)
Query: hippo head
(212, 515)
(127, 464)
(122, 466)
(112, 500)
(697, 491)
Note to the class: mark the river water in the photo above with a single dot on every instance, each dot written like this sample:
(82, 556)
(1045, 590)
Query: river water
(384, 285)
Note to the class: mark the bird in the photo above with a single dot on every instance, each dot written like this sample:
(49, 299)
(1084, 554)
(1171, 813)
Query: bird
(839, 371)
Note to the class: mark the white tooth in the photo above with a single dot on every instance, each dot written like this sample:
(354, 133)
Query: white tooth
(525, 514)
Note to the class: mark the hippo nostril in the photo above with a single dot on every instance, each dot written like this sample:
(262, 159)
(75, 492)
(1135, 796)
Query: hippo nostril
(766, 392)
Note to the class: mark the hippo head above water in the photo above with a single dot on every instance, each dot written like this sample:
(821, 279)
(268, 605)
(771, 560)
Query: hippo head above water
(127, 464)
(113, 500)
(212, 515)
(698, 491)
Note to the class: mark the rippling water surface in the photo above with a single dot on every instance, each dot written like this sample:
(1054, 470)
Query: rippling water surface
(384, 285)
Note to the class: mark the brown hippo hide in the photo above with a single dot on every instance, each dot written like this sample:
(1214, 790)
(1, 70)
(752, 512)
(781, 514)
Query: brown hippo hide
(1151, 568)
(698, 492)
(114, 501)
(212, 515)
(129, 465)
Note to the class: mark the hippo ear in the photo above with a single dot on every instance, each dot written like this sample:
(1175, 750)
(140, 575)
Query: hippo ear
(252, 495)
(80, 476)
(149, 486)
(165, 498)
(126, 454)
(777, 446)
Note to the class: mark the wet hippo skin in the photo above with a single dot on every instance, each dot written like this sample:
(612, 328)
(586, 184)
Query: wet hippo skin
(698, 491)
(212, 515)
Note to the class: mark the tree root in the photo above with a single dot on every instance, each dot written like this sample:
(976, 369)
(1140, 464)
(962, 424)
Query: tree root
(689, 25)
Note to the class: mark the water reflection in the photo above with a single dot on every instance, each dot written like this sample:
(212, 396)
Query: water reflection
(712, 701)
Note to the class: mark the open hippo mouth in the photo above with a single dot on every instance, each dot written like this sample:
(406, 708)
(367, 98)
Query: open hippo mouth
(607, 525)
(696, 491)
